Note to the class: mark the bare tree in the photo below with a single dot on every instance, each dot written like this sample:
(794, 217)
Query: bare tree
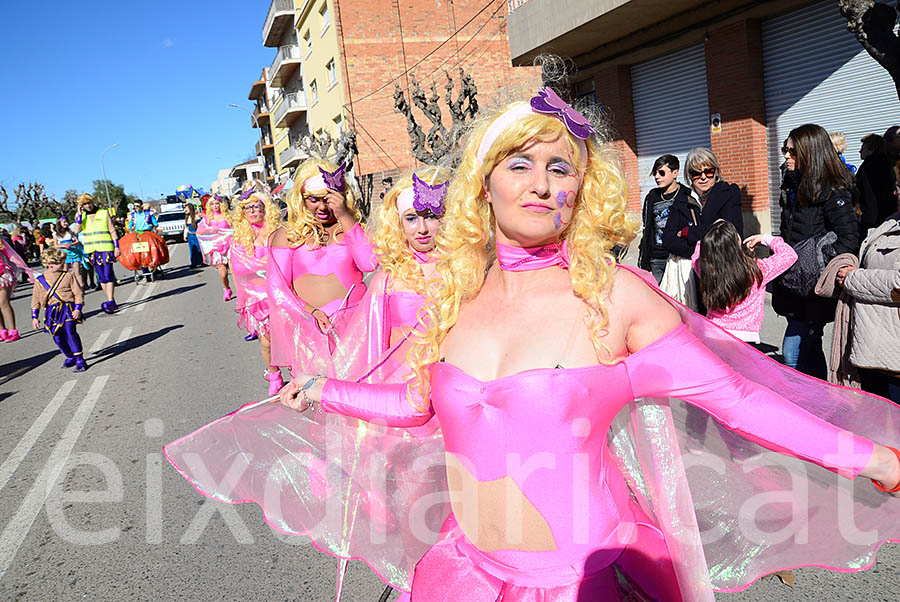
(873, 25)
(32, 203)
(440, 141)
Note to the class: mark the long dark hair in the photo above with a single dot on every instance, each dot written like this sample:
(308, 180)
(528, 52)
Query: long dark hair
(818, 165)
(191, 220)
(727, 269)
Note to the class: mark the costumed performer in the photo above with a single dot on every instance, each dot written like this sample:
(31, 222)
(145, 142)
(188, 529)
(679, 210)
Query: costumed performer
(526, 363)
(316, 264)
(369, 473)
(101, 246)
(59, 294)
(254, 218)
(11, 266)
(65, 239)
(214, 232)
(190, 235)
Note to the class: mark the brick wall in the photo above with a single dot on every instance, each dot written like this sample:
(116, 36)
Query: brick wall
(612, 87)
(734, 75)
(373, 53)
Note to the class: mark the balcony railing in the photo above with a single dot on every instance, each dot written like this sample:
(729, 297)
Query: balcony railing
(278, 21)
(290, 108)
(512, 5)
(287, 60)
(291, 157)
(260, 115)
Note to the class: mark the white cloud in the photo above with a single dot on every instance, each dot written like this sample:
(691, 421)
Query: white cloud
(168, 43)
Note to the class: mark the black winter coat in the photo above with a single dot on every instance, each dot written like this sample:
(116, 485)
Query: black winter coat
(875, 183)
(648, 246)
(723, 202)
(834, 214)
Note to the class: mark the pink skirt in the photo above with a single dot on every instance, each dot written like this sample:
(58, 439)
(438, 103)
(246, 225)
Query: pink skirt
(254, 318)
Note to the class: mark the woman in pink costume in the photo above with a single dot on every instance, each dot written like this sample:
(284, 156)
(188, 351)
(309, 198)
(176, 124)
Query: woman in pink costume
(11, 266)
(254, 218)
(214, 231)
(316, 264)
(557, 378)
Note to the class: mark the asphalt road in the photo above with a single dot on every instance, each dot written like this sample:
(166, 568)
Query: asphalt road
(90, 509)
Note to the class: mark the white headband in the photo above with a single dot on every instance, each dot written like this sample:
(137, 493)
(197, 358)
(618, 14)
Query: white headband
(507, 118)
(314, 184)
(405, 200)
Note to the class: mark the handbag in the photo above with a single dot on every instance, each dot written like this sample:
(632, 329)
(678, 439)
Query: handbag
(801, 278)
(678, 281)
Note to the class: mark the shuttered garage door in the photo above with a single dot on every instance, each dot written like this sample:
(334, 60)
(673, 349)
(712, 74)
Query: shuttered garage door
(816, 72)
(671, 111)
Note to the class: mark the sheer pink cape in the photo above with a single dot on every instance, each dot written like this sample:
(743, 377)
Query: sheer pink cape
(349, 486)
(12, 266)
(363, 491)
(250, 287)
(214, 243)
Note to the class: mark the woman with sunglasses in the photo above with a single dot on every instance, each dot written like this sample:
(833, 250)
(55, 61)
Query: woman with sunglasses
(815, 204)
(713, 199)
(657, 205)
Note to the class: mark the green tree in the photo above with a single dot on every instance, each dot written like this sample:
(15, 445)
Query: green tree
(118, 199)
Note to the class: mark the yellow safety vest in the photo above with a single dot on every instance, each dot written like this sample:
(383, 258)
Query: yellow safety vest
(96, 232)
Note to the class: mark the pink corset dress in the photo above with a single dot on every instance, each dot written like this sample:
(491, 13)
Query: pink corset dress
(214, 237)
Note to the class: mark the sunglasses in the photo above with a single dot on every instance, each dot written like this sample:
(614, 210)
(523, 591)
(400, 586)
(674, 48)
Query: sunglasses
(709, 172)
(789, 150)
(661, 172)
(249, 208)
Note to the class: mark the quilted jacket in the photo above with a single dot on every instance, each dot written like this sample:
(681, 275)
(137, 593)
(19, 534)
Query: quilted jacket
(875, 288)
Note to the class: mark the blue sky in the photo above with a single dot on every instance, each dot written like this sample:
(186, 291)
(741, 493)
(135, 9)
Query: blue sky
(156, 77)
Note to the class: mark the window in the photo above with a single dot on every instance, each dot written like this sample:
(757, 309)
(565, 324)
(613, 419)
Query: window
(314, 90)
(584, 92)
(338, 125)
(307, 43)
(326, 20)
(332, 73)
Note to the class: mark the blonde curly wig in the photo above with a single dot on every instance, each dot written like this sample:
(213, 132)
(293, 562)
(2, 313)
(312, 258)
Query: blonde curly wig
(223, 207)
(388, 237)
(302, 227)
(243, 232)
(599, 222)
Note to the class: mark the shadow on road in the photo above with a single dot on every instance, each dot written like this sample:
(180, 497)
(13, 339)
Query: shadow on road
(6, 394)
(181, 272)
(18, 368)
(129, 344)
(163, 295)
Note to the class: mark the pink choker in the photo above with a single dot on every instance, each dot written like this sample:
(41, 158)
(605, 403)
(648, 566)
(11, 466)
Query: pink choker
(258, 226)
(519, 259)
(422, 257)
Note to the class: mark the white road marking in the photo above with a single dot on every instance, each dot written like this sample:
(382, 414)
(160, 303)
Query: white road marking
(11, 464)
(134, 294)
(144, 297)
(100, 342)
(126, 333)
(17, 529)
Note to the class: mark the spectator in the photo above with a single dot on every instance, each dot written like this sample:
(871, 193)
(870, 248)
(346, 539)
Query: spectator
(190, 235)
(386, 184)
(875, 183)
(892, 139)
(839, 140)
(657, 204)
(45, 237)
(874, 288)
(815, 206)
(732, 282)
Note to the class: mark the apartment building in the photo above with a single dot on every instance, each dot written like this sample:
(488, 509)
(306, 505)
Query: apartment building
(734, 76)
(338, 60)
(261, 95)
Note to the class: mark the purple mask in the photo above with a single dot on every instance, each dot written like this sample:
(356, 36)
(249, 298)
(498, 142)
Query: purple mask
(217, 197)
(427, 197)
(334, 179)
(547, 101)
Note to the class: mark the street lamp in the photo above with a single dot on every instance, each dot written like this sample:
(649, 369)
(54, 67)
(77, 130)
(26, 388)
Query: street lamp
(103, 169)
(256, 125)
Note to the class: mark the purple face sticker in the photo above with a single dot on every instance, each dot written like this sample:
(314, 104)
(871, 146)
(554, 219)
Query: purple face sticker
(561, 199)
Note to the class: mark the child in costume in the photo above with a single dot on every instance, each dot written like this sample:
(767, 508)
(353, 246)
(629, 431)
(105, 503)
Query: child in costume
(101, 246)
(59, 294)
(732, 282)
(316, 262)
(254, 218)
(11, 266)
(214, 232)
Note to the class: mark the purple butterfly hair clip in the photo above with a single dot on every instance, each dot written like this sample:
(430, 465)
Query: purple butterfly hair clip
(334, 179)
(246, 195)
(217, 197)
(547, 101)
(427, 197)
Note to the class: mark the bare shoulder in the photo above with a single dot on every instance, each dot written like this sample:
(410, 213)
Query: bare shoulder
(646, 312)
(378, 280)
(279, 238)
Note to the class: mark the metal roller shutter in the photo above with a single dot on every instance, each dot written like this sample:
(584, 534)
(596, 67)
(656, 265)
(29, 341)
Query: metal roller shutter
(816, 72)
(671, 111)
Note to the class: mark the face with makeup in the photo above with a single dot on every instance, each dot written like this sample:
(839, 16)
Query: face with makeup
(420, 229)
(532, 193)
(254, 211)
(318, 206)
(215, 205)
